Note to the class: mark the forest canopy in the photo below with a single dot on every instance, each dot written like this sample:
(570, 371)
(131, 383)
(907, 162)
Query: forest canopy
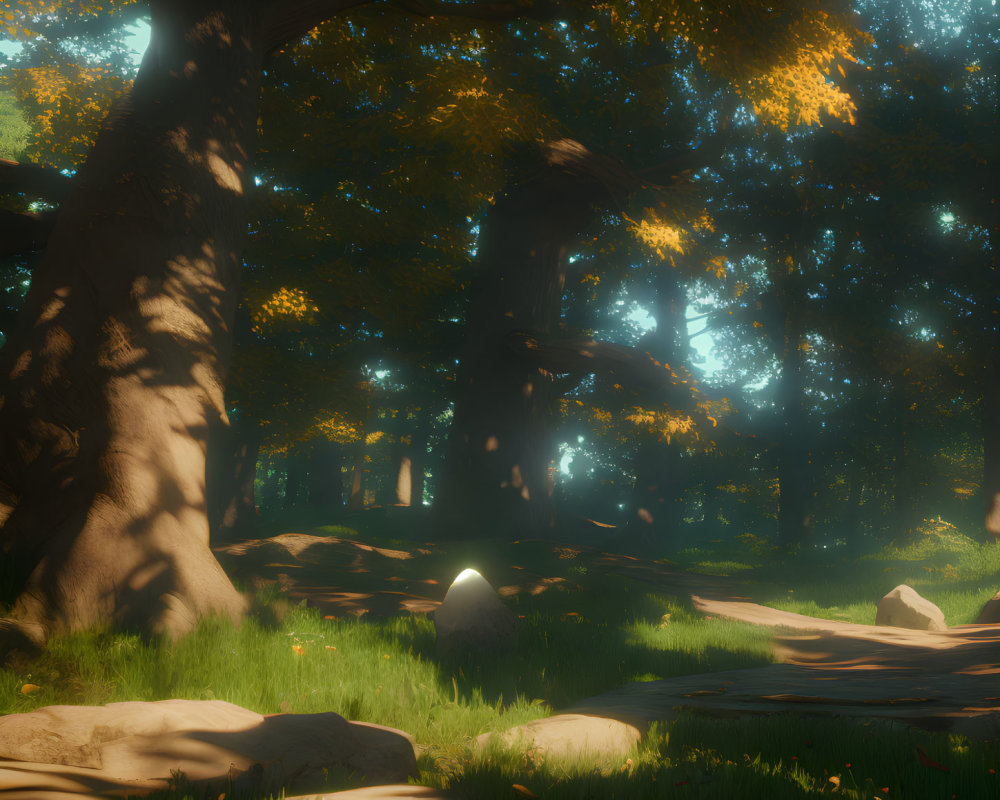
(687, 270)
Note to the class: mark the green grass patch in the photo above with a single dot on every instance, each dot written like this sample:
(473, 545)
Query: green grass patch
(776, 757)
(581, 637)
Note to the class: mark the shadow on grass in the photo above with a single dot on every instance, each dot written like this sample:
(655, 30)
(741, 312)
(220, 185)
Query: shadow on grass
(776, 757)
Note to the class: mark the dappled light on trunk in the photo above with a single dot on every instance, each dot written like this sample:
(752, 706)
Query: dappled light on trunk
(115, 375)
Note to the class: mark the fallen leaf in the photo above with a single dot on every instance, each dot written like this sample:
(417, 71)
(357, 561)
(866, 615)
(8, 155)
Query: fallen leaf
(523, 790)
(927, 761)
(28, 688)
(298, 649)
(330, 647)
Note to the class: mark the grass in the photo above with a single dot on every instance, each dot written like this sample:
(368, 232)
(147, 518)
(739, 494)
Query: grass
(951, 570)
(580, 638)
(754, 757)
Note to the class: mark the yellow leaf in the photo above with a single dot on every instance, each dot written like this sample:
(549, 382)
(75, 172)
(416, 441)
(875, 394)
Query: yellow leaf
(522, 790)
(29, 688)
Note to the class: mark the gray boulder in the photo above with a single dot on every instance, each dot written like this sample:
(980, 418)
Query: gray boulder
(472, 617)
(139, 746)
(904, 608)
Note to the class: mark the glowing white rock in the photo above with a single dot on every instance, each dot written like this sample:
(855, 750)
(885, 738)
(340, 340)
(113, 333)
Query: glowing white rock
(472, 617)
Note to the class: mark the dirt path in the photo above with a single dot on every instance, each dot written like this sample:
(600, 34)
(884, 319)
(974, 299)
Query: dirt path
(944, 680)
(349, 577)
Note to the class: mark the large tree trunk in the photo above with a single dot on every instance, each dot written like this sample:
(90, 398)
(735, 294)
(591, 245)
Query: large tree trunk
(116, 370)
(496, 473)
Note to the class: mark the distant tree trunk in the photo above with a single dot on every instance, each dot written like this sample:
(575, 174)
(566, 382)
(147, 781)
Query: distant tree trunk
(657, 497)
(794, 513)
(356, 493)
(496, 474)
(296, 473)
(232, 472)
(853, 517)
(904, 491)
(418, 466)
(991, 444)
(326, 480)
(271, 489)
(658, 510)
(116, 370)
(409, 458)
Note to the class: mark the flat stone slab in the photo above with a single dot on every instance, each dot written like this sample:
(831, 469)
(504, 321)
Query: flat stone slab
(575, 735)
(134, 748)
(393, 792)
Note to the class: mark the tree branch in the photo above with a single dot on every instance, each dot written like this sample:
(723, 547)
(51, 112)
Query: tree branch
(706, 155)
(32, 180)
(24, 233)
(583, 355)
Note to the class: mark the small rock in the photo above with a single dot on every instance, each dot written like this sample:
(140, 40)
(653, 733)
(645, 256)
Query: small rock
(991, 611)
(473, 617)
(904, 608)
(572, 735)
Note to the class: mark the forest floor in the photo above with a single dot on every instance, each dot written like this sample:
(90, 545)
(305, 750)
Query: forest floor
(944, 681)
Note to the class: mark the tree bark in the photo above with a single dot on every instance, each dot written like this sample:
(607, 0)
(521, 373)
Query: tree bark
(231, 475)
(658, 510)
(326, 482)
(794, 513)
(296, 475)
(408, 461)
(115, 372)
(22, 233)
(496, 473)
